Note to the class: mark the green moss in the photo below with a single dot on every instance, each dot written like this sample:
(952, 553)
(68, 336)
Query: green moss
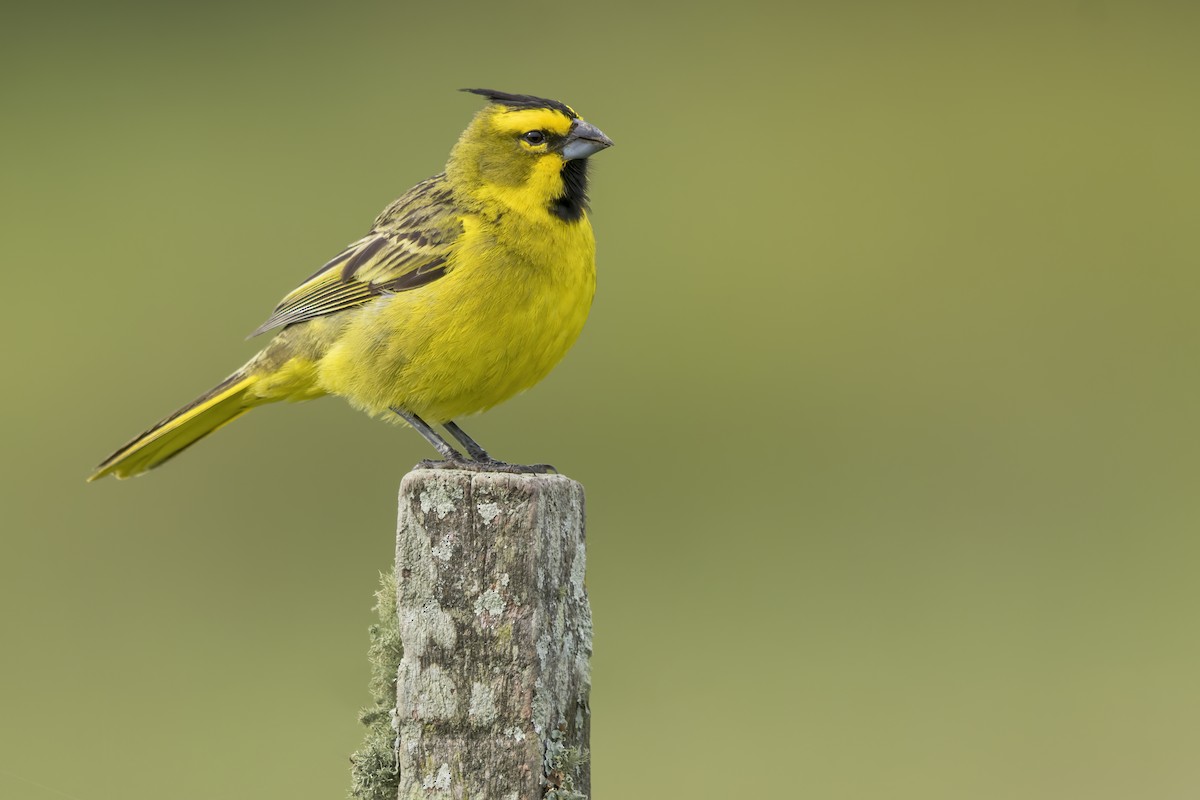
(374, 771)
(561, 765)
(563, 794)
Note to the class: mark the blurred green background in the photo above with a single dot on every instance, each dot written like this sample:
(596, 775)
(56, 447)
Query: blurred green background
(887, 409)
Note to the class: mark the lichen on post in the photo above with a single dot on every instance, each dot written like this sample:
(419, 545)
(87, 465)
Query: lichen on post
(492, 690)
(374, 772)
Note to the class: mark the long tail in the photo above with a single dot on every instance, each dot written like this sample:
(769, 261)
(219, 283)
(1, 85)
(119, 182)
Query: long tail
(221, 405)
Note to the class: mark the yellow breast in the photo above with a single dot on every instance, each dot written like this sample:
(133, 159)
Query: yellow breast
(493, 326)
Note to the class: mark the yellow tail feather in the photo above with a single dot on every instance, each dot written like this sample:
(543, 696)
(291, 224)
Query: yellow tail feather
(219, 406)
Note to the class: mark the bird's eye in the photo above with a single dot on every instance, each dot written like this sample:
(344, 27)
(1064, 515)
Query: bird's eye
(534, 137)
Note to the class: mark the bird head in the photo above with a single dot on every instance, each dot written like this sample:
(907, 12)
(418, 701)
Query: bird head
(527, 153)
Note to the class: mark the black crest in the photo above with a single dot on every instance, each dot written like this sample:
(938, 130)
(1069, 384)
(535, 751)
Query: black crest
(523, 101)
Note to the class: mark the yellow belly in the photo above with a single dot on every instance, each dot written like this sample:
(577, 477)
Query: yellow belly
(493, 326)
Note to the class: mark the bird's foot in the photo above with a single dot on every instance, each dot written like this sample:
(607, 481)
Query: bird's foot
(489, 466)
(452, 463)
(518, 469)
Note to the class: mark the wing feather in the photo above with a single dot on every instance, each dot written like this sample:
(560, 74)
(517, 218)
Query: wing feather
(409, 246)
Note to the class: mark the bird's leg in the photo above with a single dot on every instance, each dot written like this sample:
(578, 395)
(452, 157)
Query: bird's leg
(481, 459)
(473, 449)
(431, 436)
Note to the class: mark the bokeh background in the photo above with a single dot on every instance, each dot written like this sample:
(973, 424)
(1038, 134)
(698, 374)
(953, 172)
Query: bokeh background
(887, 409)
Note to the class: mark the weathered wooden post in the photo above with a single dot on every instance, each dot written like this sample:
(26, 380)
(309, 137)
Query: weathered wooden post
(492, 690)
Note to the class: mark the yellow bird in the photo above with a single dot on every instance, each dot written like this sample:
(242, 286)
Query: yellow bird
(467, 290)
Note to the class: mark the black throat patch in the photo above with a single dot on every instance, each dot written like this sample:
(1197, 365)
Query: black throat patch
(574, 200)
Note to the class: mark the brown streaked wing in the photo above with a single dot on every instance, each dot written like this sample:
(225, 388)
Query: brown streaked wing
(409, 246)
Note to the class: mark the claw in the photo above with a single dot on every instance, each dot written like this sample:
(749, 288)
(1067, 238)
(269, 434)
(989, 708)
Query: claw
(489, 466)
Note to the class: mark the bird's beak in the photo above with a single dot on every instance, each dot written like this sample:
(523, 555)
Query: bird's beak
(583, 140)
